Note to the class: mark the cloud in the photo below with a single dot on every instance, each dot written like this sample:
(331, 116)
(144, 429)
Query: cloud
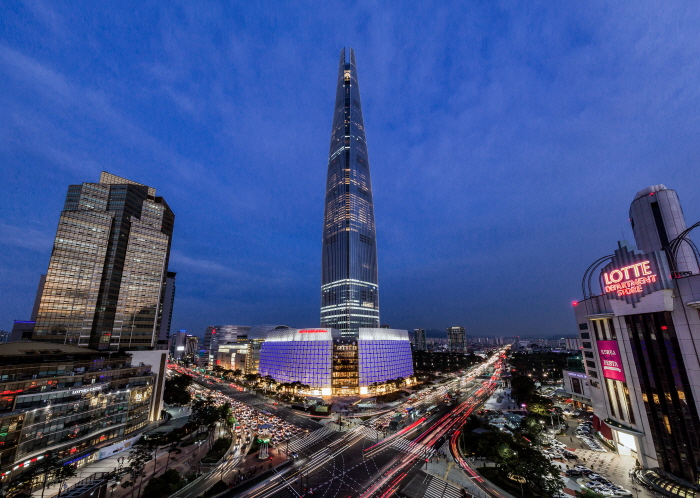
(25, 238)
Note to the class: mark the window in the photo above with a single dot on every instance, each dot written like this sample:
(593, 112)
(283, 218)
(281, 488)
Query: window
(583, 326)
(587, 345)
(585, 335)
(589, 354)
(590, 363)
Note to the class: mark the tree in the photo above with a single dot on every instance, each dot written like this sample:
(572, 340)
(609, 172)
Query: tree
(172, 447)
(522, 388)
(176, 392)
(226, 415)
(163, 486)
(587, 493)
(61, 474)
(138, 458)
(532, 427)
(237, 373)
(205, 412)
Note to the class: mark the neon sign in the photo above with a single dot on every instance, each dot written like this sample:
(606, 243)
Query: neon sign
(629, 279)
(312, 331)
(632, 274)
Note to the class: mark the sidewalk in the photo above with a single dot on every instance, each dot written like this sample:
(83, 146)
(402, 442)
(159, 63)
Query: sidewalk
(448, 471)
(181, 462)
(252, 466)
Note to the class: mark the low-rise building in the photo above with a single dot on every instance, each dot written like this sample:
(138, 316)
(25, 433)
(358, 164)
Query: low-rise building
(71, 401)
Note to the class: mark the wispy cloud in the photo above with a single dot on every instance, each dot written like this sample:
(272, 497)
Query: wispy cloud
(25, 238)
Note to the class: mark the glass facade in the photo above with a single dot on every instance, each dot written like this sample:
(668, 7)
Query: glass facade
(306, 355)
(668, 398)
(349, 283)
(68, 400)
(384, 354)
(325, 360)
(107, 274)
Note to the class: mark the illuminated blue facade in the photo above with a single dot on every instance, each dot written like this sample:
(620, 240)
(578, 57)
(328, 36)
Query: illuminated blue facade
(384, 354)
(328, 362)
(303, 355)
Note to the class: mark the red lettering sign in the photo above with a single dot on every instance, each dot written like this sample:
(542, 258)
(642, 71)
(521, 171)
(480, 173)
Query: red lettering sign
(629, 279)
(312, 331)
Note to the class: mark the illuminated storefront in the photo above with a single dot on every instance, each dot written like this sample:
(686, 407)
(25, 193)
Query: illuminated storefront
(331, 364)
(70, 400)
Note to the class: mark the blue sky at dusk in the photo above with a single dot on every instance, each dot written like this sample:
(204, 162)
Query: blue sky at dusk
(506, 142)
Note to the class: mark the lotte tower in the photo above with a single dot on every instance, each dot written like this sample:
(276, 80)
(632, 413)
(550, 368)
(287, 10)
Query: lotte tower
(349, 284)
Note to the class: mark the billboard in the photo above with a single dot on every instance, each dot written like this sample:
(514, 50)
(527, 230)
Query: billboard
(611, 361)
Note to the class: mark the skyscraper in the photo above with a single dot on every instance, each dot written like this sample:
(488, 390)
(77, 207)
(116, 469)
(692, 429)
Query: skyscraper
(105, 284)
(349, 283)
(419, 339)
(167, 314)
(457, 339)
(657, 218)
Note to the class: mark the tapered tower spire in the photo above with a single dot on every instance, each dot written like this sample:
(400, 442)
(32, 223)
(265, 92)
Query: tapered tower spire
(349, 284)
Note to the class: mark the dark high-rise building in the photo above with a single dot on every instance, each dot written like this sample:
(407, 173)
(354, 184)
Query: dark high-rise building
(419, 339)
(104, 288)
(167, 314)
(349, 283)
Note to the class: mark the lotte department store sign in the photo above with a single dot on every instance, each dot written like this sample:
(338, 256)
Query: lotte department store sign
(632, 274)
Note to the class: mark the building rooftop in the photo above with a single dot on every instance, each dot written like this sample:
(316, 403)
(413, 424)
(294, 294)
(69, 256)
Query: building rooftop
(32, 348)
(649, 190)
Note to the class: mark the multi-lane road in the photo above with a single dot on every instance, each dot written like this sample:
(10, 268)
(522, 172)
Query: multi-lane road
(362, 463)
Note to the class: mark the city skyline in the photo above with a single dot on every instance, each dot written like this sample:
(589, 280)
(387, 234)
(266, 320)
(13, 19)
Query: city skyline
(500, 140)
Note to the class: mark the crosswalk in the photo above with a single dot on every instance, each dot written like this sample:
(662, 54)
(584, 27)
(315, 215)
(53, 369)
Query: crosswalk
(310, 439)
(399, 443)
(367, 432)
(437, 488)
(412, 447)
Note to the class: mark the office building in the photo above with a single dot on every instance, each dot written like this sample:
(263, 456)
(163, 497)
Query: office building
(193, 354)
(109, 264)
(256, 337)
(456, 339)
(72, 401)
(216, 335)
(419, 343)
(639, 339)
(349, 282)
(330, 363)
(168, 304)
(177, 345)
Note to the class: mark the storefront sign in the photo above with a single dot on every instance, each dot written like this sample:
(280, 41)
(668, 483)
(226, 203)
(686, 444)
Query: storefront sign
(312, 331)
(578, 375)
(85, 390)
(611, 360)
(631, 274)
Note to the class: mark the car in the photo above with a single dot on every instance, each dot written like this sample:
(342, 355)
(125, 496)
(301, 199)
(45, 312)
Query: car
(294, 455)
(573, 473)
